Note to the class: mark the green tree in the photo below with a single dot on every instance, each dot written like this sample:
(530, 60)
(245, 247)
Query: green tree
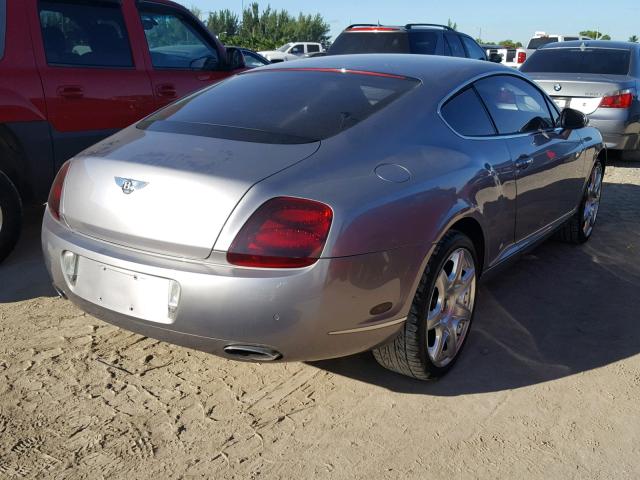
(452, 24)
(224, 23)
(633, 38)
(267, 29)
(595, 34)
(196, 12)
(510, 44)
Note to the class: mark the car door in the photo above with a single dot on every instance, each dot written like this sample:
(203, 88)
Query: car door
(94, 82)
(182, 56)
(548, 160)
(297, 50)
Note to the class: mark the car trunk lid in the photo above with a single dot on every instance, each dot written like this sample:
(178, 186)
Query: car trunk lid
(582, 92)
(167, 193)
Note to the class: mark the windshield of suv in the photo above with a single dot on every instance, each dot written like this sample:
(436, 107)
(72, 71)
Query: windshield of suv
(284, 48)
(579, 60)
(314, 105)
(536, 43)
(370, 42)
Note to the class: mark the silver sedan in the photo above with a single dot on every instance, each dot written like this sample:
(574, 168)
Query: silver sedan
(317, 211)
(599, 78)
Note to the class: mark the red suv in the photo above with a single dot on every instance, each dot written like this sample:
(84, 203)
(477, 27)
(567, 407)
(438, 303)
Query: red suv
(74, 72)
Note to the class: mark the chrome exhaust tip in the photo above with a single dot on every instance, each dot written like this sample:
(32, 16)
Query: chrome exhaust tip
(251, 353)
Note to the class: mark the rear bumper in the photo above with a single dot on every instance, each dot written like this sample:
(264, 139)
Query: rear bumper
(306, 314)
(618, 132)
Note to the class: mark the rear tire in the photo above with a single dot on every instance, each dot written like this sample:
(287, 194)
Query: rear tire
(579, 228)
(415, 351)
(10, 216)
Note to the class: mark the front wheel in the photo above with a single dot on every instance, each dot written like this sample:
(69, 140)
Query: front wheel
(10, 216)
(441, 313)
(579, 228)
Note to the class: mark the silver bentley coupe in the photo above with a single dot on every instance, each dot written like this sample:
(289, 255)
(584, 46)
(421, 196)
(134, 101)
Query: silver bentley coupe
(307, 212)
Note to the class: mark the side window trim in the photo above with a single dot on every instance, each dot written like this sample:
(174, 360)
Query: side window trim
(496, 132)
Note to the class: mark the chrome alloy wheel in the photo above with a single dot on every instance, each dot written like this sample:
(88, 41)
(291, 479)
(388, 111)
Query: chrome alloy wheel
(592, 202)
(451, 307)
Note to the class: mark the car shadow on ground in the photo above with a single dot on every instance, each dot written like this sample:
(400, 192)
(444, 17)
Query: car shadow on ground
(23, 275)
(559, 311)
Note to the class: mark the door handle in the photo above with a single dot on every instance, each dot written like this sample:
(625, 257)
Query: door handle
(166, 90)
(70, 91)
(523, 162)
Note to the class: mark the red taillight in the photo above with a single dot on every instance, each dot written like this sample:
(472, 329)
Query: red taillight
(522, 56)
(55, 195)
(283, 233)
(617, 100)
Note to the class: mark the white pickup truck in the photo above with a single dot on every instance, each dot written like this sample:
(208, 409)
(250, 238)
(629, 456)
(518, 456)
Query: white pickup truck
(515, 57)
(292, 51)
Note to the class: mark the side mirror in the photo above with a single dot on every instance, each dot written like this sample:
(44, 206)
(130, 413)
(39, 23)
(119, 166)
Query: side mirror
(573, 119)
(495, 58)
(208, 62)
(235, 59)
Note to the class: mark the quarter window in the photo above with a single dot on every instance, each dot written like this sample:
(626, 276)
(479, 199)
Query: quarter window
(175, 43)
(467, 116)
(473, 49)
(424, 43)
(83, 34)
(515, 105)
(455, 45)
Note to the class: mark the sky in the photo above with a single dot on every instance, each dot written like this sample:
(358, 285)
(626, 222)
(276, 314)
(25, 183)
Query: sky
(497, 19)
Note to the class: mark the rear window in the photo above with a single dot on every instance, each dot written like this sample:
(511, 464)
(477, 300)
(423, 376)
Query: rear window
(370, 42)
(579, 60)
(309, 106)
(536, 43)
(3, 25)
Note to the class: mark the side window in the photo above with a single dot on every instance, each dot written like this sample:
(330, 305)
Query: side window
(467, 116)
(473, 49)
(251, 61)
(424, 43)
(297, 50)
(175, 43)
(515, 105)
(313, 48)
(455, 44)
(83, 34)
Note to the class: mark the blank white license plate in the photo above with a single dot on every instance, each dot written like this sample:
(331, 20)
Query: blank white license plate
(130, 293)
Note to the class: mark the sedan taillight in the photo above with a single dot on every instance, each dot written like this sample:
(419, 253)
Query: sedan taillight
(622, 99)
(284, 232)
(55, 195)
(522, 56)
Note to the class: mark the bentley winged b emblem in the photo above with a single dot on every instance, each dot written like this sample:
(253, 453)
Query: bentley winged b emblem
(129, 185)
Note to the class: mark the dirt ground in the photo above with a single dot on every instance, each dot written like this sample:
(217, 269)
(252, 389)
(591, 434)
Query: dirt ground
(548, 387)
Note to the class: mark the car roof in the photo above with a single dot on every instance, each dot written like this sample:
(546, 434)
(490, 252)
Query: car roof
(591, 44)
(430, 69)
(370, 27)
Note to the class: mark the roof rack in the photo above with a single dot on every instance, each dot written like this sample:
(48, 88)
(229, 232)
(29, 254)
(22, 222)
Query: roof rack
(409, 26)
(363, 25)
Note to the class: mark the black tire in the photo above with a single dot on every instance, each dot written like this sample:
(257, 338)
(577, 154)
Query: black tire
(572, 231)
(407, 353)
(11, 215)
